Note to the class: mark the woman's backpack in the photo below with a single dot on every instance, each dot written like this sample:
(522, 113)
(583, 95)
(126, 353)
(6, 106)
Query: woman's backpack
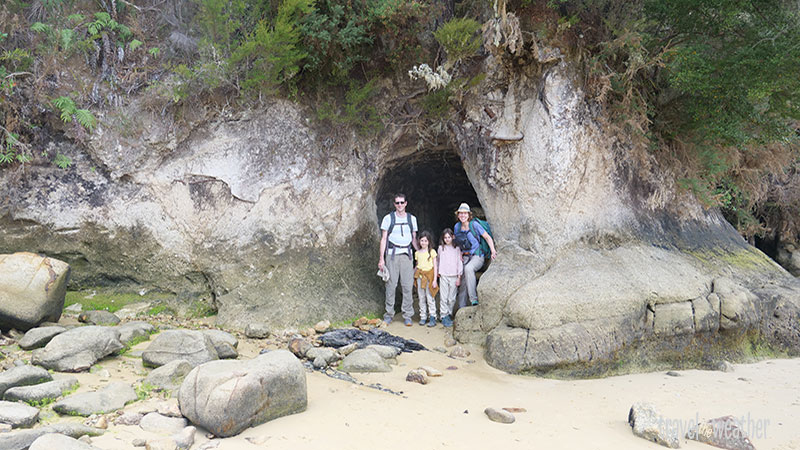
(484, 249)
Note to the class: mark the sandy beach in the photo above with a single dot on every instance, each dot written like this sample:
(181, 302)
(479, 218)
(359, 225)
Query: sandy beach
(448, 412)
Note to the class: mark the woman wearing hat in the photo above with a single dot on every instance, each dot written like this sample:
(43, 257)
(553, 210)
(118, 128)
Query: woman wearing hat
(471, 255)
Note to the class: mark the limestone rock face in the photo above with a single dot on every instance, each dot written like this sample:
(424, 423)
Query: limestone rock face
(272, 219)
(32, 290)
(226, 397)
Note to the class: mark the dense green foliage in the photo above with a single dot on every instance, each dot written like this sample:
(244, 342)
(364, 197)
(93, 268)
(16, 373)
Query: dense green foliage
(708, 87)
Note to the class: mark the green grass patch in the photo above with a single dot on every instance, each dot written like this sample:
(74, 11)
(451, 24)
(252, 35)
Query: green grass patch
(199, 309)
(160, 309)
(134, 342)
(144, 391)
(96, 299)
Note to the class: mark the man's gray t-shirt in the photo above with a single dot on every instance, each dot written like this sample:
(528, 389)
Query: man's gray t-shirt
(401, 234)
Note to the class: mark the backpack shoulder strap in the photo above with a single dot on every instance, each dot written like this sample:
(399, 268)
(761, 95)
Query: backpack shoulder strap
(391, 222)
(411, 221)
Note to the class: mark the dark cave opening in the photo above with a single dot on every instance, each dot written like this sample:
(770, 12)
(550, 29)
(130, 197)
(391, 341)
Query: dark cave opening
(434, 182)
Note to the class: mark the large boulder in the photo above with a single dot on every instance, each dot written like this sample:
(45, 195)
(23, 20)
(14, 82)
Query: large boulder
(39, 393)
(195, 347)
(55, 440)
(227, 397)
(18, 415)
(32, 290)
(77, 349)
(22, 439)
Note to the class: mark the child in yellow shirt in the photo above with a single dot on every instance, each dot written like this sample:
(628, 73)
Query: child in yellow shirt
(425, 278)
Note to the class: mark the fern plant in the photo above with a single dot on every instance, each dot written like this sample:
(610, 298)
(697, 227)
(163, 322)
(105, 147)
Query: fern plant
(69, 112)
(459, 37)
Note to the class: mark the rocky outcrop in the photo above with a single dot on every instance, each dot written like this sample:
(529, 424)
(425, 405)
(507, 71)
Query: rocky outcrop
(32, 290)
(227, 397)
(273, 220)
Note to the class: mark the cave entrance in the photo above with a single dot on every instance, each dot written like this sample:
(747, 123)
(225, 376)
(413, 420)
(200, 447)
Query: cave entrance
(434, 182)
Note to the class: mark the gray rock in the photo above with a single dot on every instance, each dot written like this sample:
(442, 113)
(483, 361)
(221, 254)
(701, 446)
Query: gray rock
(18, 415)
(98, 317)
(166, 443)
(499, 415)
(52, 441)
(386, 351)
(39, 337)
(22, 439)
(722, 432)
(227, 397)
(299, 346)
(417, 376)
(459, 352)
(349, 348)
(23, 375)
(39, 393)
(77, 349)
(724, 366)
(129, 418)
(111, 398)
(672, 373)
(322, 326)
(319, 362)
(170, 375)
(74, 309)
(365, 360)
(645, 421)
(225, 343)
(193, 346)
(256, 331)
(159, 424)
(134, 331)
(430, 371)
(32, 290)
(673, 319)
(185, 438)
(139, 442)
(327, 354)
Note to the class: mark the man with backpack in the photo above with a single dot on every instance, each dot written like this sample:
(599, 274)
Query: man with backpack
(474, 238)
(398, 237)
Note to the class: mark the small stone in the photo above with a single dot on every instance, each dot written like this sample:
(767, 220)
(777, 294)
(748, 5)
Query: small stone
(129, 418)
(417, 376)
(499, 415)
(347, 349)
(375, 322)
(459, 352)
(672, 373)
(440, 349)
(85, 439)
(360, 322)
(723, 432)
(747, 380)
(257, 331)
(169, 408)
(322, 326)
(430, 371)
(308, 332)
(449, 341)
(74, 308)
(5, 428)
(98, 317)
(101, 423)
(139, 442)
(452, 368)
(157, 423)
(513, 409)
(320, 363)
(185, 438)
(647, 423)
(299, 347)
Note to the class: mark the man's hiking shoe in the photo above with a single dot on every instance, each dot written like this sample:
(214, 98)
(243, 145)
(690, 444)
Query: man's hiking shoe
(432, 322)
(421, 322)
(447, 321)
(408, 322)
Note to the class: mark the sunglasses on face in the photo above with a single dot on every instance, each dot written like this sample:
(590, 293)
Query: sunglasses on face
(399, 203)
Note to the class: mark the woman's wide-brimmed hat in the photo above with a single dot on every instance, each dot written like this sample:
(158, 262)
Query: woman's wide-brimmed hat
(463, 208)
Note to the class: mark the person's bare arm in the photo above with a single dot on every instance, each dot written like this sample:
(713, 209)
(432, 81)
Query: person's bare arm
(381, 261)
(490, 241)
(414, 240)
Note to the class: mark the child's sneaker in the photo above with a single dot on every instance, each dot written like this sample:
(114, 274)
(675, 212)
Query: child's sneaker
(422, 321)
(407, 322)
(447, 321)
(474, 303)
(432, 321)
